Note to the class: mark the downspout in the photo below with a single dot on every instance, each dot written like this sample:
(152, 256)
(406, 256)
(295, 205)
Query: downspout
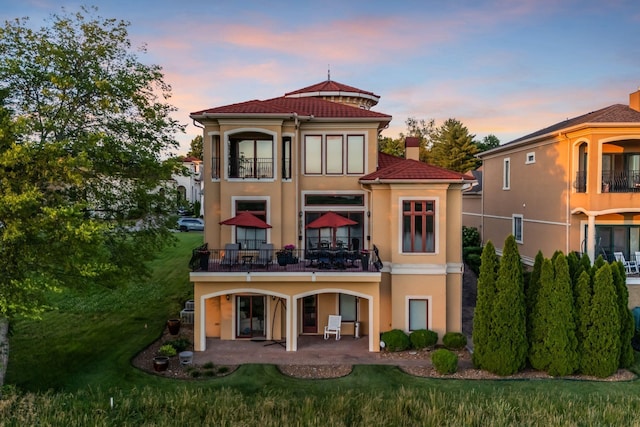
(298, 152)
(568, 195)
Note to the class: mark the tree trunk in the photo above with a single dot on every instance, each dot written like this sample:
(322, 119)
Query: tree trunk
(4, 349)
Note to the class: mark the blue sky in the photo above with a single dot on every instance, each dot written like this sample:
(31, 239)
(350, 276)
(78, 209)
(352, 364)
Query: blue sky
(501, 67)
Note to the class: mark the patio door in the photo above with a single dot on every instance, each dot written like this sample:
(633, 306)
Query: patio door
(250, 316)
(309, 314)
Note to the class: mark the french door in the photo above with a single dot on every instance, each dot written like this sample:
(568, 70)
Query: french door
(250, 316)
(309, 314)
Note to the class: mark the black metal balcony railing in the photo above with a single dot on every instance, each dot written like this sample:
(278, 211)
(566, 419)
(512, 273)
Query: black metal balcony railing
(215, 167)
(283, 261)
(621, 181)
(251, 167)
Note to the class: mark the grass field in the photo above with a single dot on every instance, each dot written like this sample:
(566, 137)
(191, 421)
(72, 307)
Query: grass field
(67, 368)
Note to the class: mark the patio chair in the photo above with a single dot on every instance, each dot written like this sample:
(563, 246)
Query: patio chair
(637, 254)
(333, 327)
(629, 266)
(230, 257)
(265, 255)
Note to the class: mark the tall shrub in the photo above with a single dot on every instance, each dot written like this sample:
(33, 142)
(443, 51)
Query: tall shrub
(561, 336)
(574, 263)
(583, 291)
(601, 348)
(540, 319)
(531, 291)
(507, 350)
(486, 287)
(627, 324)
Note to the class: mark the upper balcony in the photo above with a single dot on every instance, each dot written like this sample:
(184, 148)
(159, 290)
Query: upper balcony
(282, 261)
(617, 181)
(251, 167)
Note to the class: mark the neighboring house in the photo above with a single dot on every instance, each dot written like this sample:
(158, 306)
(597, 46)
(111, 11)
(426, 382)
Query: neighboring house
(472, 203)
(390, 258)
(573, 186)
(190, 186)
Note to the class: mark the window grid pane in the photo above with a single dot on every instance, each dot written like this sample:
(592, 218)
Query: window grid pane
(313, 154)
(418, 314)
(418, 226)
(355, 154)
(333, 155)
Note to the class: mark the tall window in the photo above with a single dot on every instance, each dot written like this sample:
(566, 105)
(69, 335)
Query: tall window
(348, 308)
(355, 154)
(286, 157)
(248, 237)
(333, 154)
(313, 154)
(517, 227)
(418, 226)
(506, 174)
(418, 314)
(215, 156)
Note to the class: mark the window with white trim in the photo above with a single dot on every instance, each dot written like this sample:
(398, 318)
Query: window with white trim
(418, 314)
(330, 155)
(506, 174)
(530, 158)
(516, 222)
(418, 226)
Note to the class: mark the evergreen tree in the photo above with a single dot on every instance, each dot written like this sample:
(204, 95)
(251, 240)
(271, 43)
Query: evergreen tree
(561, 336)
(627, 324)
(453, 147)
(601, 350)
(486, 287)
(507, 349)
(574, 264)
(532, 290)
(582, 294)
(541, 311)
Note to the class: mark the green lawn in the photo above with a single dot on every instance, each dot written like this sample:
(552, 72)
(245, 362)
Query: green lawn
(67, 367)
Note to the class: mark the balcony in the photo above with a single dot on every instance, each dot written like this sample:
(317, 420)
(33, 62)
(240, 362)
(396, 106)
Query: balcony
(625, 181)
(285, 261)
(612, 181)
(251, 167)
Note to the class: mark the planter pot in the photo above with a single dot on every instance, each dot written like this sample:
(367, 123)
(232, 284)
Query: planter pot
(174, 326)
(160, 363)
(204, 260)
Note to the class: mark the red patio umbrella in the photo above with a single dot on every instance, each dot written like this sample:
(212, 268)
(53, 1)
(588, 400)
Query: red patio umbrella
(246, 219)
(331, 220)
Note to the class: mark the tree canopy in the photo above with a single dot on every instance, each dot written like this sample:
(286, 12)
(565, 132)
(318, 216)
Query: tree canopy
(196, 147)
(84, 193)
(453, 147)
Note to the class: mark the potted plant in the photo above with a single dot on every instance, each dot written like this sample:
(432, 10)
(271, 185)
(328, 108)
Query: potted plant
(285, 256)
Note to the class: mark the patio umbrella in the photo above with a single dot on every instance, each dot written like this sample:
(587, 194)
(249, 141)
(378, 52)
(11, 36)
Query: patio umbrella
(331, 220)
(248, 220)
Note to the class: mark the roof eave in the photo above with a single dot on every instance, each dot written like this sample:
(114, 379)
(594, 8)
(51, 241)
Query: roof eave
(334, 93)
(417, 181)
(558, 132)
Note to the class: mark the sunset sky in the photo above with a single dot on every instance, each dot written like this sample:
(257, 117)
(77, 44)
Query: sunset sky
(501, 67)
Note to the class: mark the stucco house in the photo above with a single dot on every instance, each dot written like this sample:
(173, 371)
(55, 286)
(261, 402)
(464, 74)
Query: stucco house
(189, 184)
(572, 186)
(304, 218)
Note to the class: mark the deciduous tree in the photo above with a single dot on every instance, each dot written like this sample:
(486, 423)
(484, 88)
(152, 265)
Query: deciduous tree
(85, 127)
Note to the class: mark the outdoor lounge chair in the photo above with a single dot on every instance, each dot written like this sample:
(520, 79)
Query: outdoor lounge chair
(230, 257)
(333, 327)
(629, 266)
(265, 255)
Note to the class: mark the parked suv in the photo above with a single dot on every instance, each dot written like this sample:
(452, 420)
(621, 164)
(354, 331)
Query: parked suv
(190, 224)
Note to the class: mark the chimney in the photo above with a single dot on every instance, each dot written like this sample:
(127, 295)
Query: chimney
(412, 148)
(634, 100)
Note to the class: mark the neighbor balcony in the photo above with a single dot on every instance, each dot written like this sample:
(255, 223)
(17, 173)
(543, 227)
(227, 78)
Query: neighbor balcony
(612, 181)
(251, 167)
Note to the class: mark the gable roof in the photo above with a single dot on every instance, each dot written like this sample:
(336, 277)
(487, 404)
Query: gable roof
(397, 169)
(613, 114)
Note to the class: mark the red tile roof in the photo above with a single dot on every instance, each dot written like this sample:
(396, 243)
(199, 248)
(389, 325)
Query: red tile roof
(330, 86)
(316, 107)
(391, 168)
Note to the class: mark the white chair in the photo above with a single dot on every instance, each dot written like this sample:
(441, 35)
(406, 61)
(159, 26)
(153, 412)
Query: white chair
(629, 266)
(333, 327)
